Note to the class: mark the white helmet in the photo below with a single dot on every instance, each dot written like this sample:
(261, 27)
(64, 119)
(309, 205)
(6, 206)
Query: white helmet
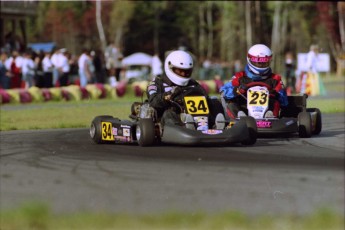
(178, 67)
(259, 59)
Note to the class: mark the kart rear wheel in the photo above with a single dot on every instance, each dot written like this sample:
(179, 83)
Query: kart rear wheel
(304, 126)
(252, 130)
(318, 121)
(96, 128)
(145, 132)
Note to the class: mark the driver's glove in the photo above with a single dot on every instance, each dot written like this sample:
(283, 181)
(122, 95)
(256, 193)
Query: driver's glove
(242, 89)
(176, 91)
(167, 96)
(273, 93)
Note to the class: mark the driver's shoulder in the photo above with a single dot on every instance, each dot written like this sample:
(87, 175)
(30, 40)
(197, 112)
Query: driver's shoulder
(193, 82)
(276, 76)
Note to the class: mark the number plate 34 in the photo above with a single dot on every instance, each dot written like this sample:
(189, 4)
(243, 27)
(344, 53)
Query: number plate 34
(196, 105)
(107, 131)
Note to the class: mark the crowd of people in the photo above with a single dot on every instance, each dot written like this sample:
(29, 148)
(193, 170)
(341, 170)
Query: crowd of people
(57, 68)
(41, 69)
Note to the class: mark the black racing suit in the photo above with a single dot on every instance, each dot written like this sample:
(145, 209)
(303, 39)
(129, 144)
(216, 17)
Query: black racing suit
(162, 86)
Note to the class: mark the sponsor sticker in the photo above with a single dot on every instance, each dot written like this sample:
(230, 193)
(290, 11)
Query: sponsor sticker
(264, 124)
(168, 89)
(122, 139)
(126, 132)
(114, 131)
(212, 131)
(152, 87)
(289, 123)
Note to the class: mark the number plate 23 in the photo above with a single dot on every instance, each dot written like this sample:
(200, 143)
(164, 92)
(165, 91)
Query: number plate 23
(257, 97)
(196, 105)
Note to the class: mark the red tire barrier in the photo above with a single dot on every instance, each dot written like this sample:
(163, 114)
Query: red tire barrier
(5, 97)
(121, 89)
(25, 96)
(46, 94)
(65, 94)
(101, 87)
(84, 93)
(95, 91)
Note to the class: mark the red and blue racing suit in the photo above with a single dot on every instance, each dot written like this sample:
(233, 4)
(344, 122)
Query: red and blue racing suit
(240, 83)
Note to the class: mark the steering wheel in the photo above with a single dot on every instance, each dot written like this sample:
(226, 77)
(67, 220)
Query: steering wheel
(258, 83)
(178, 95)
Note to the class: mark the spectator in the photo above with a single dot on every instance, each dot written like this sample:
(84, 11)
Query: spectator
(84, 70)
(113, 63)
(98, 63)
(39, 70)
(73, 67)
(156, 66)
(316, 86)
(56, 60)
(312, 58)
(28, 70)
(237, 66)
(47, 67)
(5, 79)
(290, 73)
(64, 68)
(91, 67)
(206, 65)
(14, 65)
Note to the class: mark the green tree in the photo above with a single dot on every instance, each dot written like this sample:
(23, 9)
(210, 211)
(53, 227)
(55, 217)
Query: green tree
(119, 16)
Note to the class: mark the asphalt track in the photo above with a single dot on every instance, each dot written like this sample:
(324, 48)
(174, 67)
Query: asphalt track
(276, 176)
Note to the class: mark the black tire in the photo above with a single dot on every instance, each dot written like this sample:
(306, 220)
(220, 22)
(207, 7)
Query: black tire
(96, 128)
(145, 132)
(304, 126)
(252, 130)
(318, 123)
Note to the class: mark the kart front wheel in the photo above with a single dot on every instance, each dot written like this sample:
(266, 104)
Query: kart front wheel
(145, 132)
(96, 128)
(304, 125)
(252, 130)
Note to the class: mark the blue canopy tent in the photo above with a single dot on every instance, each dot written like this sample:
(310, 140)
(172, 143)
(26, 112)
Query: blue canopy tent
(45, 47)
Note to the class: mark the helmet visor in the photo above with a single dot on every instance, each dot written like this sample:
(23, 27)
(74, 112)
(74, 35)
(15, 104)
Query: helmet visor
(185, 73)
(260, 62)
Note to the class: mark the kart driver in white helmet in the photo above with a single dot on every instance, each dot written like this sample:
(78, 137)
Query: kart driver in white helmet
(257, 70)
(178, 68)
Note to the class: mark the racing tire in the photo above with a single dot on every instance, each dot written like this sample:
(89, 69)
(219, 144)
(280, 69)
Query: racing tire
(145, 132)
(96, 128)
(252, 130)
(304, 125)
(318, 123)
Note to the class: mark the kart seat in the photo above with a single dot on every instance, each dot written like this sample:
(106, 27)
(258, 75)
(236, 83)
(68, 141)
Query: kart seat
(296, 104)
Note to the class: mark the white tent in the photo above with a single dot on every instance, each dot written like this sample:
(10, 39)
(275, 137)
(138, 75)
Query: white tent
(137, 59)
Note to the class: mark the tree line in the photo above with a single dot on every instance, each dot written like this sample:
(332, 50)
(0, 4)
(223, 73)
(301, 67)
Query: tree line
(221, 29)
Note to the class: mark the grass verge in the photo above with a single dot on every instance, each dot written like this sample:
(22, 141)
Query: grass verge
(55, 115)
(38, 216)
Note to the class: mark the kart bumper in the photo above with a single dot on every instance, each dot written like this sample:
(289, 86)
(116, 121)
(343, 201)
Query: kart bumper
(173, 134)
(279, 126)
